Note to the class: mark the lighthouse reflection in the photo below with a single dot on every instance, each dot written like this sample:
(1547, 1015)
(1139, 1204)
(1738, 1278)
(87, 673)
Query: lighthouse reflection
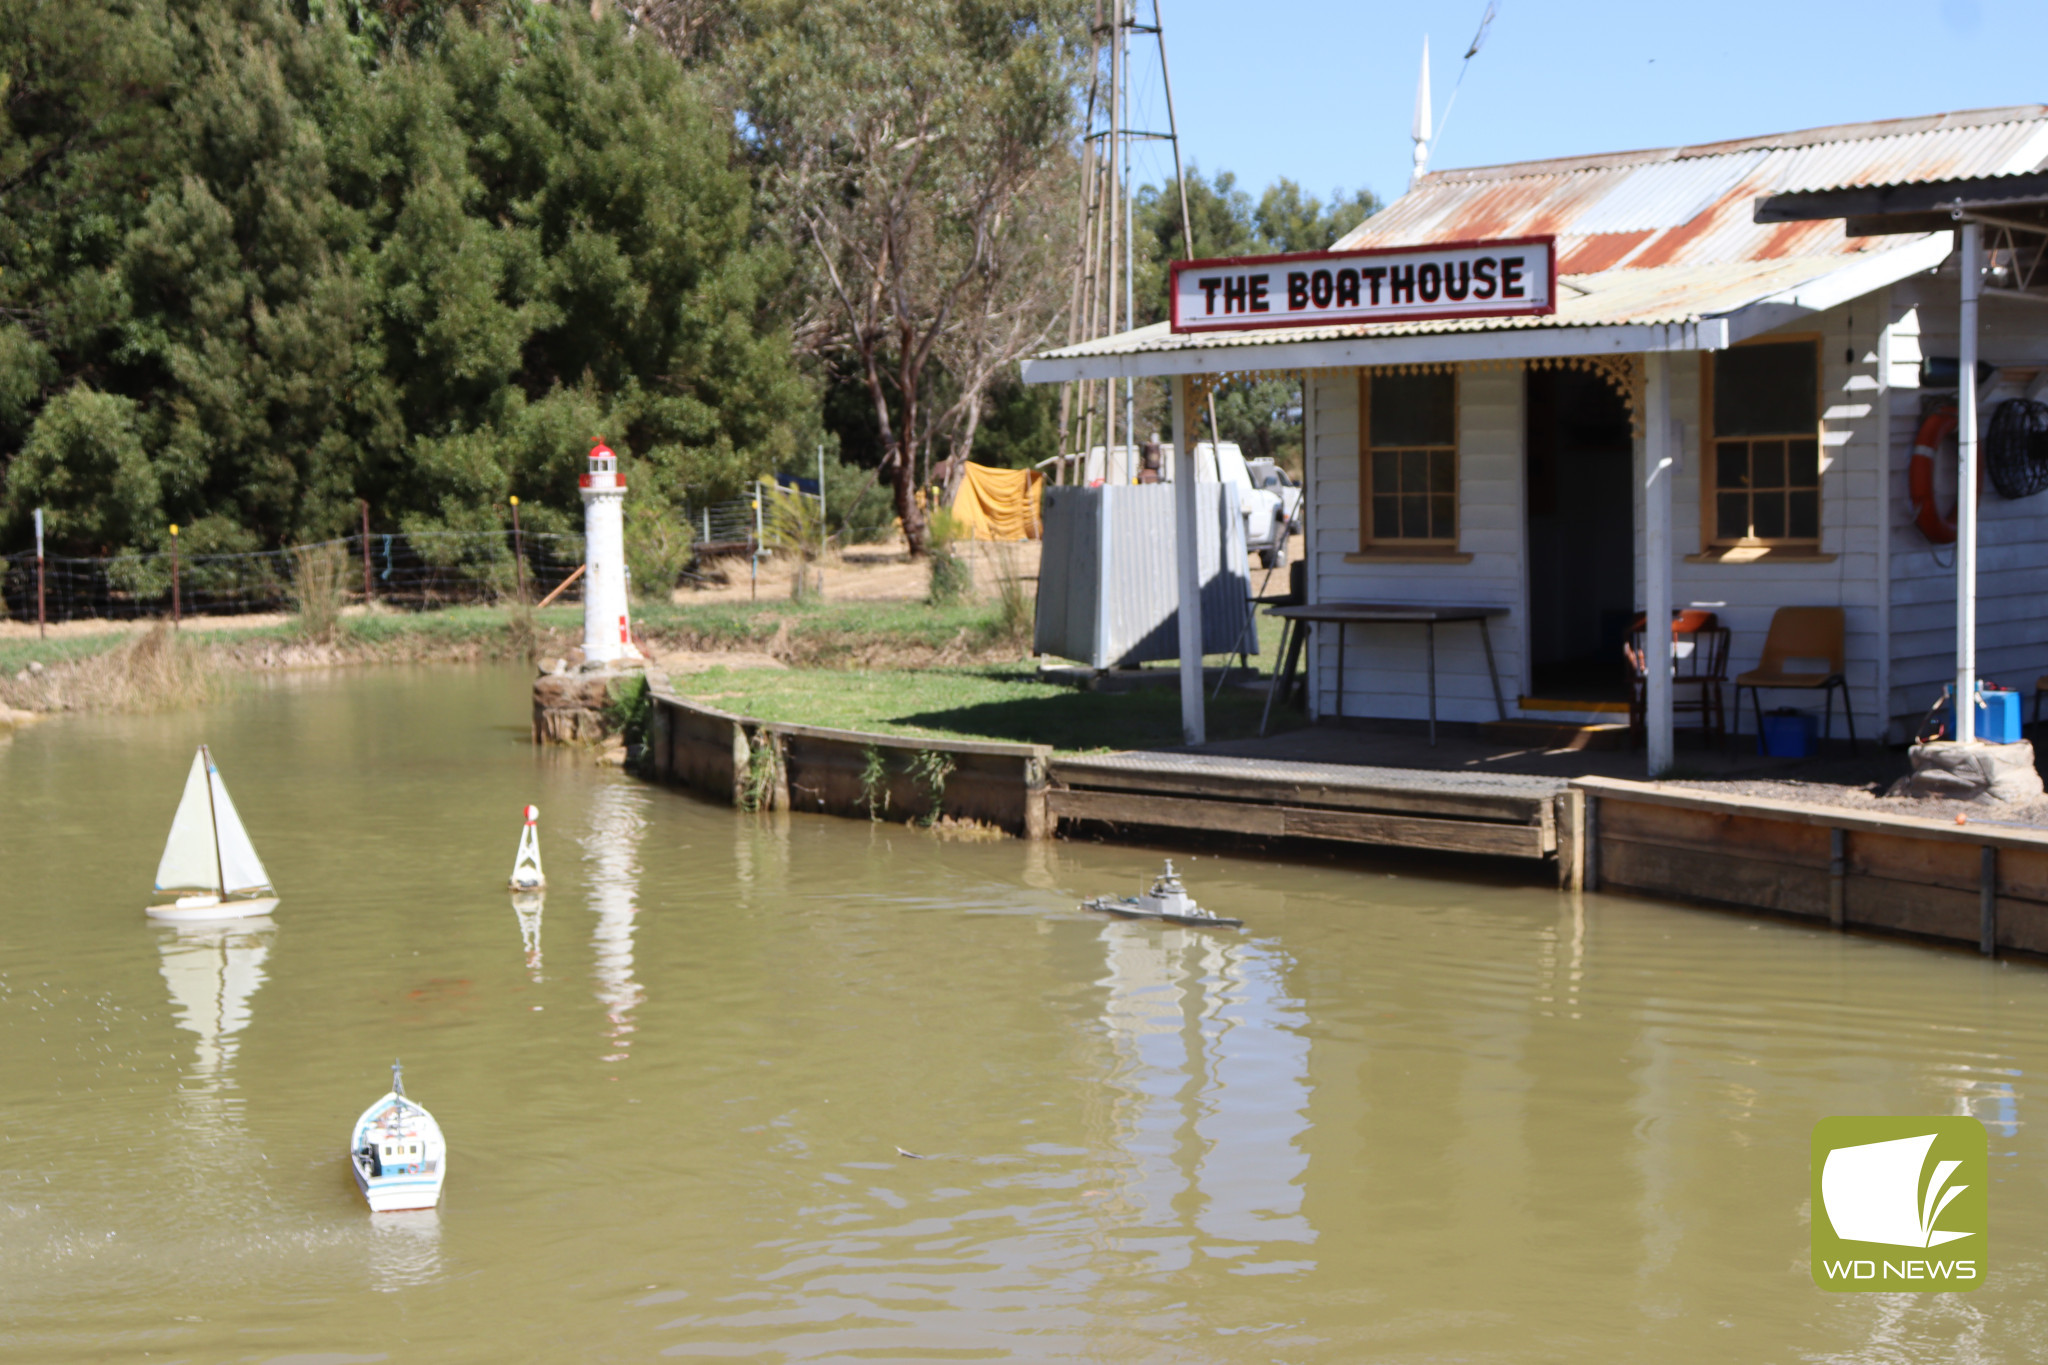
(611, 848)
(526, 908)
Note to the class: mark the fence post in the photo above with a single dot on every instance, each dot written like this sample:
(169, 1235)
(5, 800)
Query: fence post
(366, 549)
(42, 625)
(177, 612)
(518, 552)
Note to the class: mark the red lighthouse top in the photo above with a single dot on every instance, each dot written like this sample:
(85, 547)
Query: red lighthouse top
(604, 468)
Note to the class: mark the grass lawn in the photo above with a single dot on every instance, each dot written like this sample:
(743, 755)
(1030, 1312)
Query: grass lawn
(1001, 702)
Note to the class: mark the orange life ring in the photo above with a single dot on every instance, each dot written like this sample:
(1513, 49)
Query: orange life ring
(1939, 529)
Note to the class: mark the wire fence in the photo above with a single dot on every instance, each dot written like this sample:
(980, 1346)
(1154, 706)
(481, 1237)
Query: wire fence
(418, 571)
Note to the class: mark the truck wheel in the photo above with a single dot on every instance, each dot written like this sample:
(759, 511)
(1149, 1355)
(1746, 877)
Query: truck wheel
(1271, 559)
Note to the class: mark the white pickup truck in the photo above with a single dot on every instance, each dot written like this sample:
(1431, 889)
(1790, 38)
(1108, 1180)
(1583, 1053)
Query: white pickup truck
(1270, 499)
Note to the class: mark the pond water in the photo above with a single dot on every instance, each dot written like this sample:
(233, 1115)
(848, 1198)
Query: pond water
(1402, 1117)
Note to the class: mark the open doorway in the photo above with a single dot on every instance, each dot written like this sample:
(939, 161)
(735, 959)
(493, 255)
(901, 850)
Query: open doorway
(1581, 536)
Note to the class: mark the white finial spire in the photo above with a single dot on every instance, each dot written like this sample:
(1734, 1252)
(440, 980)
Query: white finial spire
(1420, 129)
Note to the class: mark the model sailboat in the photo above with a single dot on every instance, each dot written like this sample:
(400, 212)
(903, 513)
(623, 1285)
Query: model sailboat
(209, 855)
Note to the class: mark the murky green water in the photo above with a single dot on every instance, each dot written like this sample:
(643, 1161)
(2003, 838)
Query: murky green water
(1401, 1119)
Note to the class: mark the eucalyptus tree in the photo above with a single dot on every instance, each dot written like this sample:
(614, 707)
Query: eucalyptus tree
(919, 154)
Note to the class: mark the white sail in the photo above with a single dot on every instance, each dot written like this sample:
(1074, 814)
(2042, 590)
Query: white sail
(189, 862)
(240, 868)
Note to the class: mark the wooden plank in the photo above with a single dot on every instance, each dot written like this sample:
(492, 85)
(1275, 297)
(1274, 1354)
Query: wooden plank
(1407, 831)
(1727, 832)
(1172, 812)
(1615, 791)
(1699, 875)
(2023, 873)
(1478, 805)
(1912, 908)
(1355, 827)
(1923, 862)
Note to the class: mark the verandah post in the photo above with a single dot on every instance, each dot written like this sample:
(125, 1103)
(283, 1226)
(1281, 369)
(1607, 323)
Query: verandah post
(1187, 560)
(1657, 472)
(1966, 490)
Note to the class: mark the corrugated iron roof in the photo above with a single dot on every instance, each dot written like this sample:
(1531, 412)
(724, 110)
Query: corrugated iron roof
(1668, 235)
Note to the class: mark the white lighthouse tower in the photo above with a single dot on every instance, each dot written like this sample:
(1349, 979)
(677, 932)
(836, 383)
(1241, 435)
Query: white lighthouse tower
(607, 632)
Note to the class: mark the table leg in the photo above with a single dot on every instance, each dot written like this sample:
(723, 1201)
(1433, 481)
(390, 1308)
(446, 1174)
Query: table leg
(1429, 628)
(1486, 638)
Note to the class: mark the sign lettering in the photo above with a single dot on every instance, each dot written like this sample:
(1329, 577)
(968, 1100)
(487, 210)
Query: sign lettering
(1325, 288)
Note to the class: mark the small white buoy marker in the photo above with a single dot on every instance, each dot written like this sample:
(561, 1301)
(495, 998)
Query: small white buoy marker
(526, 874)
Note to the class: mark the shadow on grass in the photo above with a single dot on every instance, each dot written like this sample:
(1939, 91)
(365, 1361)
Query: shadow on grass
(1145, 719)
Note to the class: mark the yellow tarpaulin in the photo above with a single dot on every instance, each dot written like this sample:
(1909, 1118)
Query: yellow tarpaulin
(999, 504)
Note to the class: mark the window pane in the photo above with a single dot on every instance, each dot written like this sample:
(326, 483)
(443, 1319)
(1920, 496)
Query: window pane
(1442, 508)
(1443, 472)
(1386, 473)
(1414, 517)
(1767, 464)
(1767, 390)
(1805, 517)
(1803, 464)
(1731, 516)
(1386, 519)
(1414, 471)
(1414, 409)
(1770, 515)
(1731, 464)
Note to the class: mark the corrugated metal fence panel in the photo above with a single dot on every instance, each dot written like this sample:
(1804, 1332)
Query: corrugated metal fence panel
(1108, 595)
(1068, 584)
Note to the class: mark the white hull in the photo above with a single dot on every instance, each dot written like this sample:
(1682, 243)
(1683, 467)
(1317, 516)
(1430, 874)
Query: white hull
(397, 1193)
(218, 910)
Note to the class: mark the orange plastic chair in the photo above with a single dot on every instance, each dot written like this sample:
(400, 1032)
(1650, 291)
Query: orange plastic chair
(1801, 633)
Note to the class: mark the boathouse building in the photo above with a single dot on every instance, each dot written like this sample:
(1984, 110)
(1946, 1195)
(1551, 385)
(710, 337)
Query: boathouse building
(1717, 412)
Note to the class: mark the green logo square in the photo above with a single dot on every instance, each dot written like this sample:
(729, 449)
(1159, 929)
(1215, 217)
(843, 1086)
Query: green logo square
(1899, 1205)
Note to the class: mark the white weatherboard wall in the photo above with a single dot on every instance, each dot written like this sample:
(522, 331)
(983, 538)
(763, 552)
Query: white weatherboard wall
(1385, 671)
(1746, 595)
(2012, 556)
(1386, 667)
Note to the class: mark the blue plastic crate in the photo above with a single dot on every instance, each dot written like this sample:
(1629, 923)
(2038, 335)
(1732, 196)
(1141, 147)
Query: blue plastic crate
(1998, 718)
(1789, 734)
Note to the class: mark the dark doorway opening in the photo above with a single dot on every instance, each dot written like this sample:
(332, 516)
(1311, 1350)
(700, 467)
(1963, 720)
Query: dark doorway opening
(1581, 536)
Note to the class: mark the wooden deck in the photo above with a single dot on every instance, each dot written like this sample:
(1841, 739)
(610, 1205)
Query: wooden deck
(1496, 814)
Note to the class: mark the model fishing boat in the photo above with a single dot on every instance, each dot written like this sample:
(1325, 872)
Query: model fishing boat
(209, 856)
(398, 1153)
(1168, 900)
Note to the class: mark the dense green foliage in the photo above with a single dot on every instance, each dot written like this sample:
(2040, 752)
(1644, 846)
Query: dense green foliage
(257, 262)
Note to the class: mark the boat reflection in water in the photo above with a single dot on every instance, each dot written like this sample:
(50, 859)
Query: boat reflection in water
(618, 821)
(1208, 1095)
(405, 1249)
(527, 906)
(212, 970)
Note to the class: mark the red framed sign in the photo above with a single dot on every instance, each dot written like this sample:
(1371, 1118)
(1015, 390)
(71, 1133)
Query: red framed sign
(1514, 277)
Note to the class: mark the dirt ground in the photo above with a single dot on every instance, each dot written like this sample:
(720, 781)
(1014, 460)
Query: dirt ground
(26, 630)
(863, 573)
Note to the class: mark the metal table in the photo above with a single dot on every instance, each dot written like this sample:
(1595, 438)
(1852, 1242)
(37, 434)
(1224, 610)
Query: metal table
(1345, 614)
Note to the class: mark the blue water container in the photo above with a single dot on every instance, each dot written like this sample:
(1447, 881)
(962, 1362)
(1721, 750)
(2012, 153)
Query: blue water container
(1789, 734)
(1998, 718)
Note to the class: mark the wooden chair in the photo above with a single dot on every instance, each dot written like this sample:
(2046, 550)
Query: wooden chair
(1801, 633)
(1699, 658)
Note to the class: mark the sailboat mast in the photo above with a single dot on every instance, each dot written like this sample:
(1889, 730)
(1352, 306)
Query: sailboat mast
(220, 876)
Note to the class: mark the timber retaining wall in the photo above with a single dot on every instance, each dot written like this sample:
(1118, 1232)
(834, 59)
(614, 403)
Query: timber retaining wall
(776, 765)
(1969, 884)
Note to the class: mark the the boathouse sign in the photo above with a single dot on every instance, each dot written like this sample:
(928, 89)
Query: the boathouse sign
(1509, 278)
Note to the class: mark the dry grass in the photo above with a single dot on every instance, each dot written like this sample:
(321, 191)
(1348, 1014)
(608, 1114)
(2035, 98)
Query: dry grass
(155, 670)
(319, 584)
(1016, 595)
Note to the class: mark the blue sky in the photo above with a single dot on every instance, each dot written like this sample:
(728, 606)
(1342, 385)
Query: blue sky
(1321, 91)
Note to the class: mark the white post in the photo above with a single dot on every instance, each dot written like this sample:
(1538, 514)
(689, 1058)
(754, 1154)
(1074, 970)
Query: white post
(1187, 559)
(1966, 491)
(1657, 465)
(1883, 409)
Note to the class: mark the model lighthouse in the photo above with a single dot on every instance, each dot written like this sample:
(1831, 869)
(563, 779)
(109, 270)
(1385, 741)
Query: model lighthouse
(607, 633)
